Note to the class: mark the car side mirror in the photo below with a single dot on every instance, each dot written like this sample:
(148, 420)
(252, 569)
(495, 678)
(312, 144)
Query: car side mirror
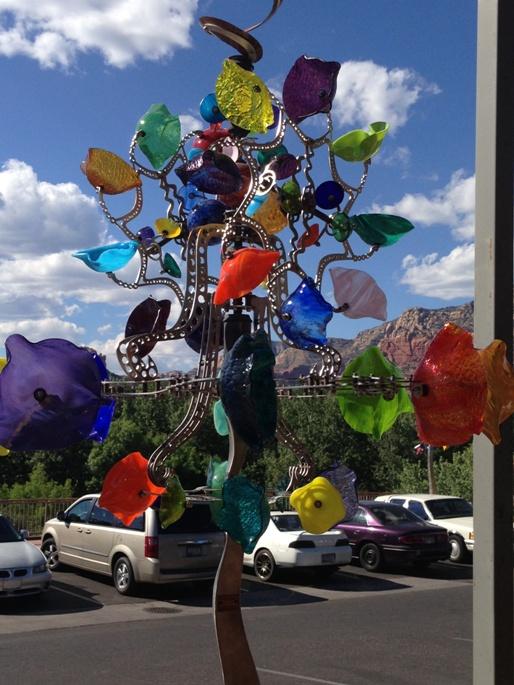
(61, 516)
(24, 533)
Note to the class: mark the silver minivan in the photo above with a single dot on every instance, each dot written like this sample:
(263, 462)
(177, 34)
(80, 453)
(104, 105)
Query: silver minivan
(89, 537)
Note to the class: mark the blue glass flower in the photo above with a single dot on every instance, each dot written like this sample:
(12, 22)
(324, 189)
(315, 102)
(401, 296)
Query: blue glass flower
(190, 196)
(108, 258)
(304, 316)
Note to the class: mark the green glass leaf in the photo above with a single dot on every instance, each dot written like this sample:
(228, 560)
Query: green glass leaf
(216, 475)
(220, 418)
(245, 512)
(380, 229)
(372, 414)
(173, 503)
(171, 267)
(341, 227)
(360, 145)
(159, 135)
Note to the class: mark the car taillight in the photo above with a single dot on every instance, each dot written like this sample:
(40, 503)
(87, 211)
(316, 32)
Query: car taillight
(415, 539)
(298, 544)
(151, 547)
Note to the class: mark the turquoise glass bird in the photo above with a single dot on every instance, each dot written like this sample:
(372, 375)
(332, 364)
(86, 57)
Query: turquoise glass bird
(108, 258)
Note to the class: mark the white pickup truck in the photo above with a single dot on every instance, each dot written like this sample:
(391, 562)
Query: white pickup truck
(453, 513)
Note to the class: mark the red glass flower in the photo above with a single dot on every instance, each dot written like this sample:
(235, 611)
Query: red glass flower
(127, 490)
(243, 272)
(452, 408)
(500, 389)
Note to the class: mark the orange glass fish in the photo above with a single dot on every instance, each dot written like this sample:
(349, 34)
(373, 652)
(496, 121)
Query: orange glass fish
(127, 490)
(243, 272)
(109, 172)
(500, 389)
(452, 409)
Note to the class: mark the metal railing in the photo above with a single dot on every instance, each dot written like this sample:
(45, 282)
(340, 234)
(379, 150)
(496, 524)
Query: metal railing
(31, 514)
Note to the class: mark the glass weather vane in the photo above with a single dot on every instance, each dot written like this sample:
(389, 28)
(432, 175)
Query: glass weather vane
(235, 185)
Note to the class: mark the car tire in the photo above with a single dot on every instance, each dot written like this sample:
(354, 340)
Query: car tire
(123, 576)
(264, 564)
(370, 557)
(458, 553)
(49, 549)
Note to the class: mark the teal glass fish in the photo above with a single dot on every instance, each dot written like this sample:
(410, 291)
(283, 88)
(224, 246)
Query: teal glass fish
(247, 389)
(220, 418)
(171, 267)
(216, 476)
(107, 258)
(245, 512)
(159, 135)
(380, 229)
(304, 316)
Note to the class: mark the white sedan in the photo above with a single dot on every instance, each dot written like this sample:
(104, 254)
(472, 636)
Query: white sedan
(23, 567)
(284, 544)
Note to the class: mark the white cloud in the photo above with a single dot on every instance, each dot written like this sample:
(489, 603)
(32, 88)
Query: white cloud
(172, 355)
(188, 122)
(55, 33)
(453, 206)
(368, 92)
(38, 329)
(39, 217)
(448, 277)
(399, 157)
(104, 329)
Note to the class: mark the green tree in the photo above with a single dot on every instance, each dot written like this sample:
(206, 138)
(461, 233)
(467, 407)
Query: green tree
(39, 486)
(455, 476)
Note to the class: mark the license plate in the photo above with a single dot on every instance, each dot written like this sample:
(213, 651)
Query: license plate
(194, 550)
(328, 558)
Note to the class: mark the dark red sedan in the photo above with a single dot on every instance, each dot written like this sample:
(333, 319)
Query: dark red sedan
(381, 533)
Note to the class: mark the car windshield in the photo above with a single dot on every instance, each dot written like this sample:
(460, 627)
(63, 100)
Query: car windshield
(287, 522)
(392, 513)
(449, 508)
(7, 531)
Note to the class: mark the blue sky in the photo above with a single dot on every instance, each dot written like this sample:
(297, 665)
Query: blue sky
(80, 73)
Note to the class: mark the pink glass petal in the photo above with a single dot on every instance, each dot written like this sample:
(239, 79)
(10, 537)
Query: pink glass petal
(360, 292)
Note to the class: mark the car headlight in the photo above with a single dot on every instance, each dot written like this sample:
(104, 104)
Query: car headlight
(471, 536)
(40, 568)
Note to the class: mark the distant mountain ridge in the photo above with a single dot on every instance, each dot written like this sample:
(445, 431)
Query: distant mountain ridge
(403, 340)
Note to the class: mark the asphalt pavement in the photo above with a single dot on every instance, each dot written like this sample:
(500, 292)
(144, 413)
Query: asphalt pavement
(400, 627)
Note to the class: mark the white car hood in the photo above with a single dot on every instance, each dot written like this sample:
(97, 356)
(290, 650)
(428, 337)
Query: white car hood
(19, 554)
(460, 523)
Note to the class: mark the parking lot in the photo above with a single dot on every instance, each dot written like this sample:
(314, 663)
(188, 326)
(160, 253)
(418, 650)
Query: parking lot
(301, 630)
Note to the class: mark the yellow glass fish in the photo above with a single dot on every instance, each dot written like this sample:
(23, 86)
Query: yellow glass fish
(109, 172)
(319, 505)
(270, 214)
(3, 362)
(167, 227)
(4, 451)
(243, 98)
(500, 389)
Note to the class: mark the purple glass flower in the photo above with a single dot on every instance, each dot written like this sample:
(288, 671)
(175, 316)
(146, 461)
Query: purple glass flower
(309, 87)
(50, 394)
(150, 316)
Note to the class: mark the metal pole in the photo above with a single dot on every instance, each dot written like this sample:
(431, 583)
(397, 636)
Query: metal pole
(430, 470)
(492, 466)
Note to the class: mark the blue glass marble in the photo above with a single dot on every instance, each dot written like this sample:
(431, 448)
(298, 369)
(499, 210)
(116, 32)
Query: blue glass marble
(329, 195)
(344, 480)
(206, 212)
(210, 111)
(190, 196)
(194, 152)
(103, 421)
(304, 316)
(255, 204)
(108, 257)
(245, 512)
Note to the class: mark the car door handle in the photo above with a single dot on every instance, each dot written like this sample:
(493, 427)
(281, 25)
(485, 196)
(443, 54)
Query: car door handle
(79, 530)
(87, 532)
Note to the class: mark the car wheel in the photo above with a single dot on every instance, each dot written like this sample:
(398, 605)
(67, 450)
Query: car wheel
(264, 564)
(49, 549)
(370, 557)
(123, 576)
(458, 552)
